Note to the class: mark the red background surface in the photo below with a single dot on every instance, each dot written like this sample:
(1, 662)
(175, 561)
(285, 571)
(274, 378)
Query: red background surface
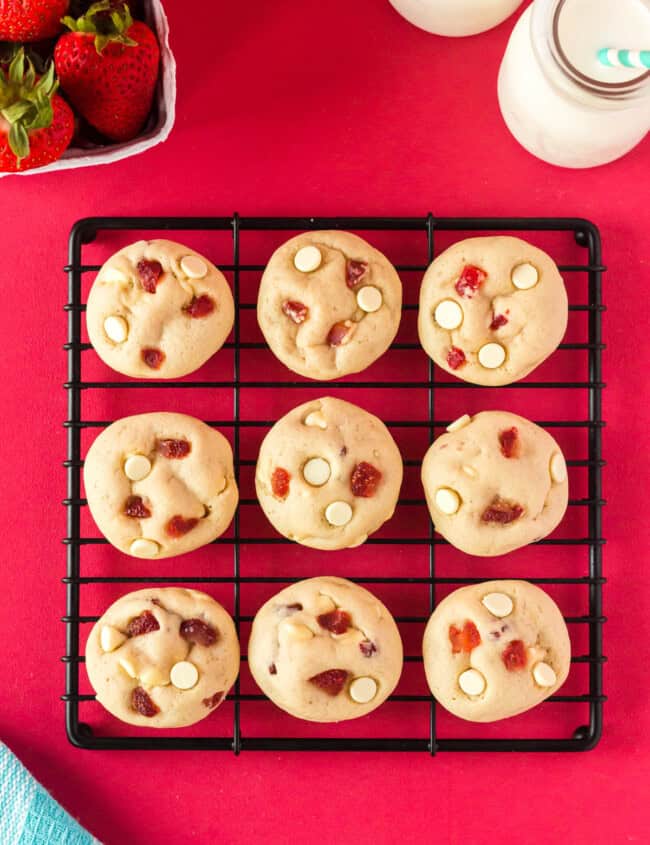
(290, 107)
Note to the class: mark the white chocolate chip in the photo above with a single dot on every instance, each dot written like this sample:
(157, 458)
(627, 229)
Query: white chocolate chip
(128, 667)
(461, 422)
(194, 267)
(137, 467)
(316, 420)
(112, 274)
(447, 500)
(558, 468)
(144, 548)
(499, 604)
(153, 676)
(448, 314)
(110, 638)
(363, 690)
(289, 630)
(472, 472)
(491, 355)
(307, 259)
(369, 299)
(525, 276)
(184, 675)
(324, 604)
(544, 675)
(116, 329)
(316, 472)
(338, 513)
(472, 682)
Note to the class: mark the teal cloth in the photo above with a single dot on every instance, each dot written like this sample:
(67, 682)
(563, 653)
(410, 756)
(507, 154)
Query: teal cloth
(28, 813)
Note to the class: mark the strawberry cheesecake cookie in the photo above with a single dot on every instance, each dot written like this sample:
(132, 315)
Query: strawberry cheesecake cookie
(329, 304)
(495, 482)
(163, 657)
(158, 310)
(328, 474)
(492, 309)
(495, 649)
(160, 484)
(325, 650)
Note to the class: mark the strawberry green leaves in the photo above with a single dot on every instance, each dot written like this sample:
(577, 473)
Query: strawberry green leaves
(107, 20)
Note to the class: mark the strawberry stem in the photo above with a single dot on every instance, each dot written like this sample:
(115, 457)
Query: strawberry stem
(109, 21)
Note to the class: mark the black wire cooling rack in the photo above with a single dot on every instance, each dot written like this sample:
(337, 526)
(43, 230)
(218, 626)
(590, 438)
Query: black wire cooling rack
(578, 395)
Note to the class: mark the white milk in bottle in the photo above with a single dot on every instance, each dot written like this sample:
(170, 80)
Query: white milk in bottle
(557, 99)
(455, 17)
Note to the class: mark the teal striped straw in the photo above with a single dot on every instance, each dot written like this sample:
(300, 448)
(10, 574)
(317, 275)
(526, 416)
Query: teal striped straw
(611, 57)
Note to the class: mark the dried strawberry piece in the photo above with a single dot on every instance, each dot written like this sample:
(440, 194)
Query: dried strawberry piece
(336, 621)
(145, 623)
(367, 648)
(465, 638)
(149, 272)
(200, 306)
(295, 311)
(455, 357)
(497, 321)
(213, 700)
(174, 449)
(331, 681)
(280, 483)
(509, 442)
(179, 525)
(337, 334)
(199, 632)
(273, 669)
(296, 606)
(142, 703)
(514, 656)
(136, 508)
(153, 358)
(470, 281)
(501, 511)
(354, 271)
(364, 480)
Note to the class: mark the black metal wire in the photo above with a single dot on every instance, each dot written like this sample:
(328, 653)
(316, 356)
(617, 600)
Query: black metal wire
(585, 234)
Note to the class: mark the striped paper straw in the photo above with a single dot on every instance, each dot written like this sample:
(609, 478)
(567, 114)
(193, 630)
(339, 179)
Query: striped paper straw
(611, 57)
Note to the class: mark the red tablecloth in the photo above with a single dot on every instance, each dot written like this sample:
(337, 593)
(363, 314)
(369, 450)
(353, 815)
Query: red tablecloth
(320, 108)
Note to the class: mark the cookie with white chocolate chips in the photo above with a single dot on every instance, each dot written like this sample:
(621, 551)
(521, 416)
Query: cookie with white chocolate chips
(495, 482)
(492, 309)
(495, 649)
(328, 474)
(158, 310)
(160, 484)
(325, 650)
(329, 304)
(163, 657)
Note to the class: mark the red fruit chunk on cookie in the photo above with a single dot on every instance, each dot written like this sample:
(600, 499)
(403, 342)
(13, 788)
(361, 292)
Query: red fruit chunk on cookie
(273, 669)
(364, 480)
(136, 508)
(354, 272)
(455, 357)
(149, 272)
(145, 623)
(295, 311)
(213, 700)
(465, 638)
(509, 442)
(174, 449)
(331, 681)
(142, 704)
(280, 483)
(470, 281)
(501, 511)
(178, 525)
(294, 608)
(200, 306)
(367, 648)
(514, 656)
(153, 358)
(336, 621)
(498, 321)
(337, 334)
(199, 632)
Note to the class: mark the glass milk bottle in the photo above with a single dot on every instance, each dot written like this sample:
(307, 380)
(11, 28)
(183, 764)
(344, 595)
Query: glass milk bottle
(455, 17)
(556, 97)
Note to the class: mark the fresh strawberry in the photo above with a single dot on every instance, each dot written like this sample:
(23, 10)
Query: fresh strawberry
(108, 66)
(31, 20)
(36, 124)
